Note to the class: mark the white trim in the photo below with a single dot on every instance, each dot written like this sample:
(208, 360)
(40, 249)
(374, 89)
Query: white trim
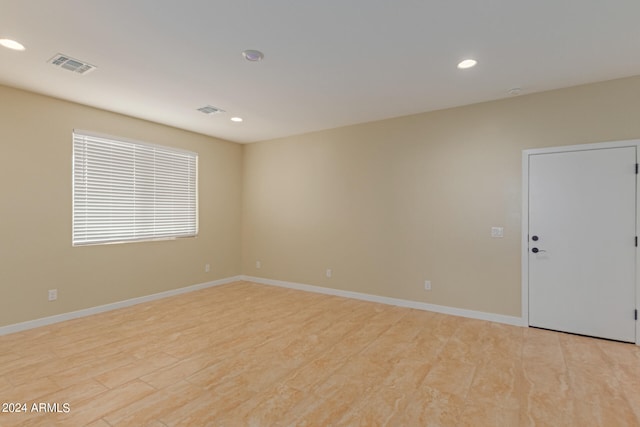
(525, 216)
(524, 242)
(18, 327)
(130, 141)
(480, 315)
(580, 147)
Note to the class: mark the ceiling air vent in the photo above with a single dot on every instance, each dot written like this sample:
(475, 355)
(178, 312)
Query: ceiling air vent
(71, 64)
(209, 109)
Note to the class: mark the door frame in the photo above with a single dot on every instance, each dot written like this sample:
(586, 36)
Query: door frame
(525, 216)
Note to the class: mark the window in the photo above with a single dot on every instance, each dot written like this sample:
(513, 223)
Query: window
(128, 191)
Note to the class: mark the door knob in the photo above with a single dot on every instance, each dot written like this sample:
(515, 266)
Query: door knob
(536, 250)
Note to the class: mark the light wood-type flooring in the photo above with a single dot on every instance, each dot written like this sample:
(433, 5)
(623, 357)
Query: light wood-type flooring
(245, 354)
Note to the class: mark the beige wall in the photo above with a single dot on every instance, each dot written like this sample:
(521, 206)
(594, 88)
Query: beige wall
(385, 205)
(389, 204)
(35, 214)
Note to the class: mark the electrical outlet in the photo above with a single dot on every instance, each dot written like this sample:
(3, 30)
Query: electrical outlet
(53, 294)
(258, 264)
(427, 285)
(207, 268)
(329, 273)
(497, 232)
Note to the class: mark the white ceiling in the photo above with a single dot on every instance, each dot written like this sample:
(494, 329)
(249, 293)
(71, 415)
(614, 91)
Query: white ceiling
(328, 63)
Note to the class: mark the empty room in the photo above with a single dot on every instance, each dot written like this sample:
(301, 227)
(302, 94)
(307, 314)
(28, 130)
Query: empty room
(305, 213)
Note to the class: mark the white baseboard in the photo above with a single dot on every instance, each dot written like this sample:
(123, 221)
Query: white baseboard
(17, 327)
(491, 317)
(480, 315)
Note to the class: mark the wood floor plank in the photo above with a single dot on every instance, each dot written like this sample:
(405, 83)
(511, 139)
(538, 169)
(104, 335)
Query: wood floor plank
(5, 386)
(131, 371)
(246, 354)
(78, 393)
(424, 407)
(24, 362)
(92, 410)
(100, 364)
(179, 370)
(99, 423)
(154, 406)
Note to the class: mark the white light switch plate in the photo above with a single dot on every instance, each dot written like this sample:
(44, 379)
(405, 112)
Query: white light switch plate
(497, 231)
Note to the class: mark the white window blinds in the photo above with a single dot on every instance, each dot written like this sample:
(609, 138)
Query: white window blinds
(127, 191)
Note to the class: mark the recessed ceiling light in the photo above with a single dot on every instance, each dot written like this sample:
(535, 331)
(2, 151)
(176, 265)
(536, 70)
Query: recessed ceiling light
(253, 55)
(236, 119)
(467, 63)
(11, 44)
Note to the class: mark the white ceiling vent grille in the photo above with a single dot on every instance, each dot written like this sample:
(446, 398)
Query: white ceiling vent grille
(210, 109)
(71, 64)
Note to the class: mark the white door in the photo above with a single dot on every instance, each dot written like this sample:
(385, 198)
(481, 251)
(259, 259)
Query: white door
(582, 228)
